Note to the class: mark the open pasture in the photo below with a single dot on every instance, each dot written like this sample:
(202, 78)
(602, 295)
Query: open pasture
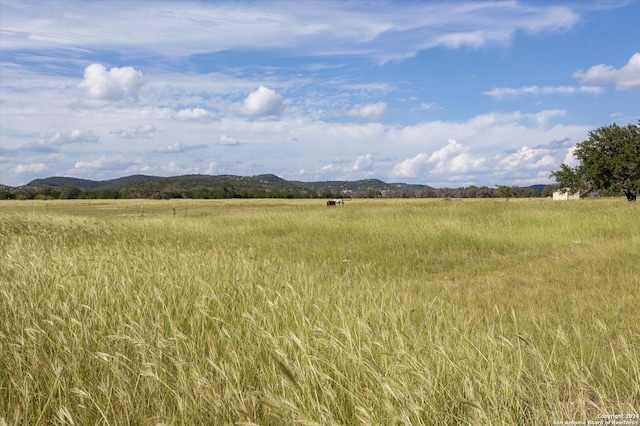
(277, 312)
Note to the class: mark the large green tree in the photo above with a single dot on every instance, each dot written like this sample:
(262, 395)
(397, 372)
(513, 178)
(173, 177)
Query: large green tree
(609, 162)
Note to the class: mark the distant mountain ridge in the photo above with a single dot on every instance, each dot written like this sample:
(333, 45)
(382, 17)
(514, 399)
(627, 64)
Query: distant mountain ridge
(264, 181)
(58, 182)
(358, 185)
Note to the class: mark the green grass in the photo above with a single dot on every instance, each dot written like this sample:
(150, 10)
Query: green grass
(288, 312)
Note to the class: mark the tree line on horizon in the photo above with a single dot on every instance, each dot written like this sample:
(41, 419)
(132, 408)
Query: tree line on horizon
(172, 191)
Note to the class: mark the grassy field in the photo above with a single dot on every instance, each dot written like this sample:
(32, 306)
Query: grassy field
(275, 312)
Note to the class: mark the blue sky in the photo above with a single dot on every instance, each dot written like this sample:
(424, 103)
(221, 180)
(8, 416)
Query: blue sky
(447, 93)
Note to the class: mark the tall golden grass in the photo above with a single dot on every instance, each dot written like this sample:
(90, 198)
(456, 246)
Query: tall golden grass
(276, 312)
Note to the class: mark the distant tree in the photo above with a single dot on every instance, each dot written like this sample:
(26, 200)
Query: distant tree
(526, 192)
(325, 192)
(505, 192)
(609, 162)
(69, 192)
(484, 192)
(372, 193)
(110, 193)
(310, 193)
(229, 190)
(548, 190)
(401, 193)
(174, 190)
(470, 192)
(199, 192)
(87, 194)
(428, 192)
(25, 193)
(46, 193)
(5, 192)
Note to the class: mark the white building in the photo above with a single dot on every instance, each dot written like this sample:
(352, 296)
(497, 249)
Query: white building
(565, 195)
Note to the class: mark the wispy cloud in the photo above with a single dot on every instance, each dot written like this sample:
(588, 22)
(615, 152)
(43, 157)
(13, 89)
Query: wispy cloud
(391, 31)
(52, 140)
(429, 106)
(556, 144)
(507, 92)
(179, 147)
(140, 132)
(101, 165)
(29, 168)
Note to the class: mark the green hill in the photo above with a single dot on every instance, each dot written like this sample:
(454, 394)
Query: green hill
(266, 182)
(57, 182)
(232, 186)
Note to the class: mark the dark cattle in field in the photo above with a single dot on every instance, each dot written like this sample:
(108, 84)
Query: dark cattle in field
(331, 203)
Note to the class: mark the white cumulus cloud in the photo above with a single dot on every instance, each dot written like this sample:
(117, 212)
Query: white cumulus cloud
(172, 167)
(228, 140)
(212, 169)
(570, 159)
(374, 111)
(173, 148)
(411, 167)
(362, 162)
(263, 103)
(446, 152)
(57, 137)
(625, 78)
(115, 84)
(452, 159)
(524, 157)
(195, 114)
